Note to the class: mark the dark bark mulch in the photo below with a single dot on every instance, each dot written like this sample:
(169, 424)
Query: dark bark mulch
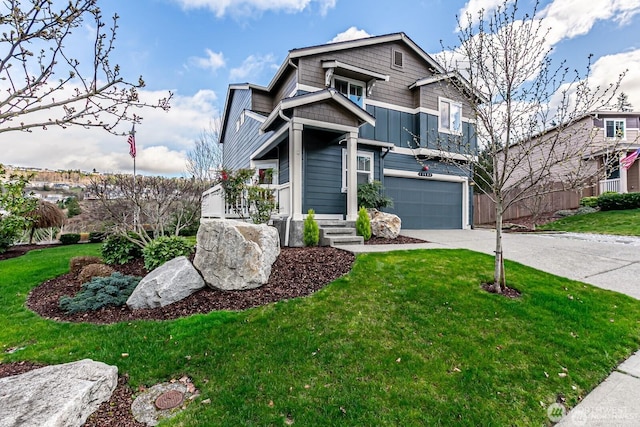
(17, 250)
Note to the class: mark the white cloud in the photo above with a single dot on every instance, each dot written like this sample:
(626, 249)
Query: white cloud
(472, 8)
(162, 140)
(352, 33)
(251, 67)
(607, 68)
(244, 7)
(212, 61)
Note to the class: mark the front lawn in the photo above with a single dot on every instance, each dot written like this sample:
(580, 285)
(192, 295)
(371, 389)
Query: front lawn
(622, 223)
(407, 338)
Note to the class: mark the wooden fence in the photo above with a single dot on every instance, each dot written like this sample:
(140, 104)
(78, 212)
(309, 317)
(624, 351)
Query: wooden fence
(484, 208)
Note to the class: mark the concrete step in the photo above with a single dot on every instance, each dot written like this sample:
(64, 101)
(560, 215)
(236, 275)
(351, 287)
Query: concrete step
(344, 240)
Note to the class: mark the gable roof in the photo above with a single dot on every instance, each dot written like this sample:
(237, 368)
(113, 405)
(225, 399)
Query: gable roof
(330, 95)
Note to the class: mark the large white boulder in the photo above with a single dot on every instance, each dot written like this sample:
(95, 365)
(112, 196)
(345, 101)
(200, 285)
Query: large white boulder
(56, 396)
(234, 255)
(172, 281)
(384, 224)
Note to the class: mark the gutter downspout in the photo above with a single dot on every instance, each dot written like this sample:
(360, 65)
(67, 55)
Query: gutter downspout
(288, 221)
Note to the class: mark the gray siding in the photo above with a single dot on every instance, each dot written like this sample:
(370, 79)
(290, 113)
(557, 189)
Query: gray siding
(262, 102)
(287, 86)
(238, 145)
(326, 112)
(374, 58)
(283, 163)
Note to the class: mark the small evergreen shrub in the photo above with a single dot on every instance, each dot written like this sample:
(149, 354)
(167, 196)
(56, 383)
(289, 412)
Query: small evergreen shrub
(311, 235)
(100, 292)
(97, 236)
(76, 264)
(90, 271)
(69, 238)
(117, 249)
(363, 224)
(591, 202)
(617, 201)
(370, 196)
(164, 249)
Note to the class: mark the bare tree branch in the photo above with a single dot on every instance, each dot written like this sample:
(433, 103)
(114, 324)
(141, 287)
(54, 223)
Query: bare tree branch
(44, 86)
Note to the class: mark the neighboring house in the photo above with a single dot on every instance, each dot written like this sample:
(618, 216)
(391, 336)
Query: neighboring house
(342, 114)
(594, 144)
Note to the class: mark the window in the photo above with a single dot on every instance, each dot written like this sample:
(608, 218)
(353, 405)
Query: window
(450, 116)
(351, 89)
(397, 59)
(266, 172)
(614, 128)
(364, 164)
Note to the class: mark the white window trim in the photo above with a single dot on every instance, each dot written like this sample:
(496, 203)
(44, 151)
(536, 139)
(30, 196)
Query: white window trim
(355, 82)
(368, 154)
(450, 102)
(624, 133)
(266, 164)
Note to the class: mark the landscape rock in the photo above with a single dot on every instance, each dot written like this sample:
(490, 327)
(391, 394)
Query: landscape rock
(384, 224)
(56, 396)
(234, 255)
(172, 281)
(144, 409)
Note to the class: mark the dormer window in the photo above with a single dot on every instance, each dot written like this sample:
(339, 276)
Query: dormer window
(614, 128)
(352, 89)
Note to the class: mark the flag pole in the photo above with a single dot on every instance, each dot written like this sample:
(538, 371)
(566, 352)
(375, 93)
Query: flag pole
(132, 152)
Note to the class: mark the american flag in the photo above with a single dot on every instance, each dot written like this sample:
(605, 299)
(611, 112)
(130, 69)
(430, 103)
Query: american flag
(630, 159)
(132, 141)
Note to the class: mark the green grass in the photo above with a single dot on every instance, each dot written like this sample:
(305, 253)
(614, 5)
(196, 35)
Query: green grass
(622, 223)
(407, 338)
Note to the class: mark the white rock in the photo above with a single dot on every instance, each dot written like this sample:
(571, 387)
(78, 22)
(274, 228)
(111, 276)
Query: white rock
(56, 396)
(384, 224)
(172, 281)
(234, 255)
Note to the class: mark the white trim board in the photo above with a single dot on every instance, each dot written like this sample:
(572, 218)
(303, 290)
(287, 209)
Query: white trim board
(434, 177)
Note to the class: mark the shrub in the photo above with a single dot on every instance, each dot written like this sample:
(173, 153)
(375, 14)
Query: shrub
(100, 292)
(117, 249)
(311, 235)
(363, 224)
(69, 238)
(585, 210)
(90, 271)
(262, 202)
(617, 201)
(371, 196)
(97, 236)
(11, 227)
(591, 202)
(76, 264)
(164, 249)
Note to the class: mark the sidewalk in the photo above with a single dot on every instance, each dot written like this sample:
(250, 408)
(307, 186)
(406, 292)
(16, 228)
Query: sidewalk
(609, 262)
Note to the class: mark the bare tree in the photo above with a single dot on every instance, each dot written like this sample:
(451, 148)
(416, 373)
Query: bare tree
(515, 93)
(164, 205)
(44, 85)
(205, 159)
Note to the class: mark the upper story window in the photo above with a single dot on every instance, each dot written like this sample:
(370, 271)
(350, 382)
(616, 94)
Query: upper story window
(614, 128)
(352, 89)
(450, 120)
(397, 59)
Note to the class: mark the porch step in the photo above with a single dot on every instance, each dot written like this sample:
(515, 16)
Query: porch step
(335, 233)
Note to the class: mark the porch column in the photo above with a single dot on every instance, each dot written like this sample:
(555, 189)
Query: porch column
(352, 176)
(295, 169)
(623, 174)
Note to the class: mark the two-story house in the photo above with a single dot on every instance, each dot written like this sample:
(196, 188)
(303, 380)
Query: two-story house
(342, 114)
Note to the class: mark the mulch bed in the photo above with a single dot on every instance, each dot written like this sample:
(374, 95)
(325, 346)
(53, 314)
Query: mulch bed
(297, 272)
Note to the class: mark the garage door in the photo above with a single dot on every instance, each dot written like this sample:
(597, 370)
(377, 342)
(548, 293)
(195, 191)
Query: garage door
(425, 204)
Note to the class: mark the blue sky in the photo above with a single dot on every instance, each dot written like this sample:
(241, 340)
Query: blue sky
(196, 48)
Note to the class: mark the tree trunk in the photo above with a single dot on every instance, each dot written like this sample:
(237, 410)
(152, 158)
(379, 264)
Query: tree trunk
(499, 282)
